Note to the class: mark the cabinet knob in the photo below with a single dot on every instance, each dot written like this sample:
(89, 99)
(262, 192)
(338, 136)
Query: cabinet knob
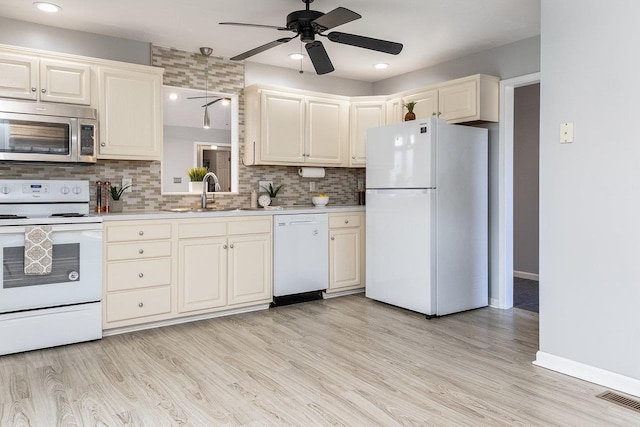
(141, 251)
(333, 238)
(141, 275)
(33, 89)
(103, 144)
(346, 221)
(433, 114)
(353, 157)
(140, 304)
(43, 91)
(224, 246)
(140, 233)
(231, 246)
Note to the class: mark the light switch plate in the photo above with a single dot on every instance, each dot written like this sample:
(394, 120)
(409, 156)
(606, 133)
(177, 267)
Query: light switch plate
(127, 181)
(262, 184)
(312, 186)
(566, 132)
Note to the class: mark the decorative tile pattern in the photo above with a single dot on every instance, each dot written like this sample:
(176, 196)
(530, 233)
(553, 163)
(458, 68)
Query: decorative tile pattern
(186, 69)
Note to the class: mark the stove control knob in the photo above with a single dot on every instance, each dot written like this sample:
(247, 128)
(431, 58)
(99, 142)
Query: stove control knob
(77, 190)
(65, 190)
(5, 190)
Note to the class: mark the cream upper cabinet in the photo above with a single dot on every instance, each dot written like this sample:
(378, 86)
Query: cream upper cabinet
(470, 99)
(47, 80)
(295, 128)
(130, 112)
(346, 251)
(250, 268)
(363, 115)
(394, 111)
(426, 104)
(327, 133)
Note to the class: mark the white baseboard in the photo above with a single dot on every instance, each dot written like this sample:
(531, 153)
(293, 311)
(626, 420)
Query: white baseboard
(525, 275)
(494, 302)
(588, 373)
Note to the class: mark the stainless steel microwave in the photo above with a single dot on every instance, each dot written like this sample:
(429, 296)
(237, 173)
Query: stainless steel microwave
(35, 131)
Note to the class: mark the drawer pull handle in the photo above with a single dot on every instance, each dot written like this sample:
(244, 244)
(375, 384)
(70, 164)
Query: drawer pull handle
(346, 221)
(140, 304)
(141, 275)
(141, 233)
(141, 251)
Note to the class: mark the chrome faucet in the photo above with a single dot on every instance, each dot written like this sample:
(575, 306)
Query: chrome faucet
(216, 187)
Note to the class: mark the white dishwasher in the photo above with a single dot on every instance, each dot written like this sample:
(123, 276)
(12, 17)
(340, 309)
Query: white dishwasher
(300, 258)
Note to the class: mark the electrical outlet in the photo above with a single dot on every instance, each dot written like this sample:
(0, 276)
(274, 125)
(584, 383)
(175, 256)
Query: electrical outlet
(263, 184)
(312, 186)
(129, 182)
(177, 180)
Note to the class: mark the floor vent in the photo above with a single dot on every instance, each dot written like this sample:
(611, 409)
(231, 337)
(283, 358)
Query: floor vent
(620, 400)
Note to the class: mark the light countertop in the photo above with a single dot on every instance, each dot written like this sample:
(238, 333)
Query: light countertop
(218, 213)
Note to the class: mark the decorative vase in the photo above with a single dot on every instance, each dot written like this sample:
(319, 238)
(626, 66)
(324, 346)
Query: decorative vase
(195, 186)
(274, 201)
(115, 206)
(409, 116)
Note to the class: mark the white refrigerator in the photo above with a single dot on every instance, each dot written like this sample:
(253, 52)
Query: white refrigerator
(427, 216)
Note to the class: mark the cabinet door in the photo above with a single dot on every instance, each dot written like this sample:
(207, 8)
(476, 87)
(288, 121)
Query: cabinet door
(67, 82)
(426, 104)
(18, 76)
(364, 115)
(458, 102)
(345, 263)
(327, 123)
(250, 269)
(202, 273)
(394, 111)
(282, 128)
(130, 115)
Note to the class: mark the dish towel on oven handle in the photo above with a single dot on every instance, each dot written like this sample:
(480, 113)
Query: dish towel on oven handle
(38, 249)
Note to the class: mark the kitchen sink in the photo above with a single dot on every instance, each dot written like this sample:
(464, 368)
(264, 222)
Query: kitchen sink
(213, 209)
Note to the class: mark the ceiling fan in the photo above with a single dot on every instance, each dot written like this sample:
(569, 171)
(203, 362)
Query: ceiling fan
(307, 24)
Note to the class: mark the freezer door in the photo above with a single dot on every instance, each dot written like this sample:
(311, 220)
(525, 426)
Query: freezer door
(401, 156)
(400, 248)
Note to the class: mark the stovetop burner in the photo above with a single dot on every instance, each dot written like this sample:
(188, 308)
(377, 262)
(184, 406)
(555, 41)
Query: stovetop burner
(9, 216)
(67, 215)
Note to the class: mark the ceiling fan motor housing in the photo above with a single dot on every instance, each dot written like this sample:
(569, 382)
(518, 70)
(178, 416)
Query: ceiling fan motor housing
(300, 21)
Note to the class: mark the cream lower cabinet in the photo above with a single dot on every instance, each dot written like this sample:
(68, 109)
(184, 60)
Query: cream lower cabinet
(223, 263)
(346, 252)
(138, 273)
(130, 113)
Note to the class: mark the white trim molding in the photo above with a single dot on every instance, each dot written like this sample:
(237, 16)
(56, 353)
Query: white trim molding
(505, 187)
(588, 373)
(526, 275)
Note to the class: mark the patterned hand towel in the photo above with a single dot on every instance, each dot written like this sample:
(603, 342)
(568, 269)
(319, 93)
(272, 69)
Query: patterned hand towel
(37, 250)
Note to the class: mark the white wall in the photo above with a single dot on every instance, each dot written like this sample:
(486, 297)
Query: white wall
(44, 37)
(589, 190)
(285, 77)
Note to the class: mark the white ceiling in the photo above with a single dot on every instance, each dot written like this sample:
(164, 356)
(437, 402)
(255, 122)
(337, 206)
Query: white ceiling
(432, 31)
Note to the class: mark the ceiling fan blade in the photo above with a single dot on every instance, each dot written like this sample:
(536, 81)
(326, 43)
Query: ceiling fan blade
(334, 18)
(262, 48)
(243, 24)
(213, 102)
(319, 58)
(366, 42)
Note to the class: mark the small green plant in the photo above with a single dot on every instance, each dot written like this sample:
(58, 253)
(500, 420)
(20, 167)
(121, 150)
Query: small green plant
(271, 190)
(197, 174)
(410, 106)
(116, 192)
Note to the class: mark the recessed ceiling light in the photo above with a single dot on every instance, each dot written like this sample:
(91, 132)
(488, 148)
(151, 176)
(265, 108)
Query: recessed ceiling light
(173, 96)
(296, 56)
(381, 66)
(48, 7)
(225, 102)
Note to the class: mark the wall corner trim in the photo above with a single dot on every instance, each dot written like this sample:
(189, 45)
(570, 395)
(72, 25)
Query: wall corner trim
(588, 373)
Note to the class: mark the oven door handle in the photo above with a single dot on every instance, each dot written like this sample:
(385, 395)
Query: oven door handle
(54, 227)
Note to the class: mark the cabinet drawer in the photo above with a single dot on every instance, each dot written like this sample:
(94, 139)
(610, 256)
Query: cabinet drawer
(138, 274)
(140, 303)
(134, 251)
(134, 233)
(202, 229)
(256, 226)
(342, 221)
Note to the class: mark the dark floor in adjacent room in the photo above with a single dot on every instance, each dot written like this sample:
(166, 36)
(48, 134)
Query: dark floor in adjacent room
(525, 294)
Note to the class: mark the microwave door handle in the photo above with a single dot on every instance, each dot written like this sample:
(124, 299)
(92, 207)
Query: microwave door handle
(74, 132)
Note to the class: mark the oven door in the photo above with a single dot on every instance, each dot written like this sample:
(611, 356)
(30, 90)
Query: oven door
(76, 273)
(30, 137)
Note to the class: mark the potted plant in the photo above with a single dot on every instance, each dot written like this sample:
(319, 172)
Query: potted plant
(273, 192)
(410, 114)
(116, 197)
(195, 177)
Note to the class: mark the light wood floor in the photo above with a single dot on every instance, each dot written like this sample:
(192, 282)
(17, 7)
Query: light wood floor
(347, 361)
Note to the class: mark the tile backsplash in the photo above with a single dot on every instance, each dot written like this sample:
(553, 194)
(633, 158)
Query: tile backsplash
(186, 69)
